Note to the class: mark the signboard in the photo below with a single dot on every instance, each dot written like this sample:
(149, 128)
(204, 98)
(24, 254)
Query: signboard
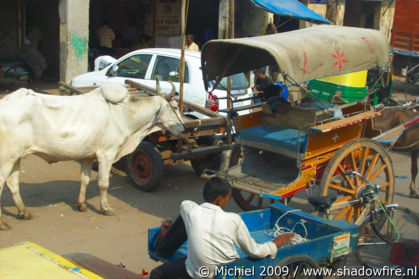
(341, 245)
(168, 17)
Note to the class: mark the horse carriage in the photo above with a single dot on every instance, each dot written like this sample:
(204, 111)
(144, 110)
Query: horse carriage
(280, 152)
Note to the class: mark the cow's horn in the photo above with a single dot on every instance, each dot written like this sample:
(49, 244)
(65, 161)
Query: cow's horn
(158, 89)
(172, 93)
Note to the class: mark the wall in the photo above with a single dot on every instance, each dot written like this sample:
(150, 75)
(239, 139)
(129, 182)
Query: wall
(250, 20)
(387, 17)
(8, 30)
(44, 15)
(317, 8)
(353, 14)
(336, 11)
(74, 38)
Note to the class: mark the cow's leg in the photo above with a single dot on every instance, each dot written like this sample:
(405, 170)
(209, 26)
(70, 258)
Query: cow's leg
(5, 169)
(13, 186)
(105, 165)
(413, 172)
(86, 167)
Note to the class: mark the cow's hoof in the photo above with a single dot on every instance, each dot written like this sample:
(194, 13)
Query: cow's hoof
(4, 226)
(25, 215)
(108, 212)
(81, 207)
(413, 194)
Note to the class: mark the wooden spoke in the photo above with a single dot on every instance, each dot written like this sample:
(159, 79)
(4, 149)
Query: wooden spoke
(384, 185)
(372, 165)
(353, 161)
(343, 199)
(343, 189)
(346, 177)
(370, 159)
(342, 213)
(350, 214)
(355, 168)
(364, 156)
(250, 198)
(377, 173)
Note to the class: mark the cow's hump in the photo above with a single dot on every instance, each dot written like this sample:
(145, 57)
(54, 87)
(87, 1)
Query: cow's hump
(114, 92)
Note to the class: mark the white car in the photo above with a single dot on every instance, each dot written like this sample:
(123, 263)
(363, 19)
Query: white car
(145, 65)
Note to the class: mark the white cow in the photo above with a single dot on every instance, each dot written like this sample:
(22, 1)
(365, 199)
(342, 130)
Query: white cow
(104, 124)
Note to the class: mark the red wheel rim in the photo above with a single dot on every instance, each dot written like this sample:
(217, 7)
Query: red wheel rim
(141, 165)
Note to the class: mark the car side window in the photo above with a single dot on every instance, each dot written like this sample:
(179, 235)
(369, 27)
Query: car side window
(134, 66)
(168, 69)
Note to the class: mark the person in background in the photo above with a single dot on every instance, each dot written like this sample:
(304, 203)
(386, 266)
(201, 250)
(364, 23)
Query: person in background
(34, 36)
(130, 34)
(212, 234)
(142, 42)
(190, 44)
(262, 81)
(206, 34)
(105, 37)
(271, 29)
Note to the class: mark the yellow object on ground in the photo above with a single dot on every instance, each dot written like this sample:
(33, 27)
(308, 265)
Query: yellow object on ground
(29, 260)
(356, 79)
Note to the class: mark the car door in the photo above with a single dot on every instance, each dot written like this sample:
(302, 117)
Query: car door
(167, 68)
(134, 67)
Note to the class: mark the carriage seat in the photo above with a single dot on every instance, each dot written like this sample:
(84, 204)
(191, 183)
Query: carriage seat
(273, 138)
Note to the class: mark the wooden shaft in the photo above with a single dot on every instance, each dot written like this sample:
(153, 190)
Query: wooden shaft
(202, 110)
(71, 88)
(140, 86)
(182, 55)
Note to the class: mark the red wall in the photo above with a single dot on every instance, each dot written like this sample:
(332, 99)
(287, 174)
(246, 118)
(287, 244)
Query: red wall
(405, 32)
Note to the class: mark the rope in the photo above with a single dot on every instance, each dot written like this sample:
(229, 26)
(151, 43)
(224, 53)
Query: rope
(277, 230)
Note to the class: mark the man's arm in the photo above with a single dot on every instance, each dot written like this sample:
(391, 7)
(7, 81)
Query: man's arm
(256, 250)
(282, 239)
(186, 206)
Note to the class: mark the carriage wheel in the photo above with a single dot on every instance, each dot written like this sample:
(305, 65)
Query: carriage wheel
(145, 167)
(368, 158)
(251, 201)
(212, 161)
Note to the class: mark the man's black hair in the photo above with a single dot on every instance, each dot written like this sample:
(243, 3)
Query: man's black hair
(216, 187)
(261, 70)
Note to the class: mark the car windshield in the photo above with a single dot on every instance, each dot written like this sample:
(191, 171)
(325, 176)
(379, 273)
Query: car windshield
(238, 81)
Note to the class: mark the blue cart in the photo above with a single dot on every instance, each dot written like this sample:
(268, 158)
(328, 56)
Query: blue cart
(329, 242)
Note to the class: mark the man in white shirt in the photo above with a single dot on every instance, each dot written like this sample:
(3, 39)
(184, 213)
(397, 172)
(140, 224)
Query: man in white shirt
(211, 234)
(190, 44)
(106, 36)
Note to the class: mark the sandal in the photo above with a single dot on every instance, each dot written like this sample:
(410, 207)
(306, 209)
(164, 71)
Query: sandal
(164, 228)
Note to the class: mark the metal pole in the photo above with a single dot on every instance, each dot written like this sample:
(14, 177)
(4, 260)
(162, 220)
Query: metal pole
(229, 102)
(154, 23)
(182, 55)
